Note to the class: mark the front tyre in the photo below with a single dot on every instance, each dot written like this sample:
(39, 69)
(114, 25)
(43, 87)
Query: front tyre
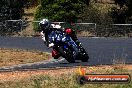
(56, 57)
(67, 55)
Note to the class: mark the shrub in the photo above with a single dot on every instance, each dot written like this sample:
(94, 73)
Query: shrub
(58, 10)
(97, 13)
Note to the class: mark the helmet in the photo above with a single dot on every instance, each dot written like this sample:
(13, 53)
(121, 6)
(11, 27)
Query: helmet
(68, 30)
(44, 24)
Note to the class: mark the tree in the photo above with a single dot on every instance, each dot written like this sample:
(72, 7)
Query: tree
(124, 12)
(129, 5)
(120, 2)
(60, 10)
(11, 9)
(33, 3)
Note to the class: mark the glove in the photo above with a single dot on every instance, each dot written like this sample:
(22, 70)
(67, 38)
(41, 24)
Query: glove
(42, 34)
(43, 38)
(51, 44)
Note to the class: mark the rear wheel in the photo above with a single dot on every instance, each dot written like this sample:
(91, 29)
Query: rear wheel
(84, 55)
(85, 58)
(67, 55)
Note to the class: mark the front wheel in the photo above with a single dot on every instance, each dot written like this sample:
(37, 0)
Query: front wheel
(67, 55)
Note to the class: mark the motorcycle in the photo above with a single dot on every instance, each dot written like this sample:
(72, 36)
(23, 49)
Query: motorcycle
(63, 49)
(68, 53)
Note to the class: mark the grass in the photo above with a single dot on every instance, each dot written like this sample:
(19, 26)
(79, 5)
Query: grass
(18, 56)
(66, 79)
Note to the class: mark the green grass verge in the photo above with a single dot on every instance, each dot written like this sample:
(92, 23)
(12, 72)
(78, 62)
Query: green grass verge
(64, 81)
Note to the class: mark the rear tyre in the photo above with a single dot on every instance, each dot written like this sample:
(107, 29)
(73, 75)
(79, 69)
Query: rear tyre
(67, 55)
(84, 56)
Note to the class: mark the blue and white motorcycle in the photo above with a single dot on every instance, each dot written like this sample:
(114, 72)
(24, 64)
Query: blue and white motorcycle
(63, 46)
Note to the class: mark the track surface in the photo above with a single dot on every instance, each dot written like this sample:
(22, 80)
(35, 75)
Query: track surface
(101, 51)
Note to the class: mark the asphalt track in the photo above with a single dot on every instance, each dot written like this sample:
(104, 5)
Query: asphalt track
(102, 51)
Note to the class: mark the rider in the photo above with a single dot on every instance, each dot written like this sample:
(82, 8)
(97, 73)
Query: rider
(50, 35)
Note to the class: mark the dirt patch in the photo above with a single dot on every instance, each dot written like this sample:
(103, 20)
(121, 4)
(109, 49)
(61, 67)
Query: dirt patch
(10, 57)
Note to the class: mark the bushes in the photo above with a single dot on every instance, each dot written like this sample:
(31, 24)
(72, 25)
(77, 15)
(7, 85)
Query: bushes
(94, 13)
(11, 9)
(58, 10)
(97, 13)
